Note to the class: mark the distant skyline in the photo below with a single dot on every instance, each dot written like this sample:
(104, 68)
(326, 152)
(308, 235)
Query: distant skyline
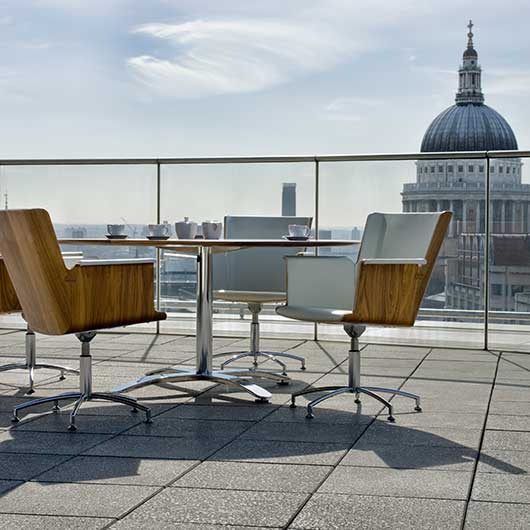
(122, 78)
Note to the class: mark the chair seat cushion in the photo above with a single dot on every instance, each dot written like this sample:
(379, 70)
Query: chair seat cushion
(312, 314)
(250, 296)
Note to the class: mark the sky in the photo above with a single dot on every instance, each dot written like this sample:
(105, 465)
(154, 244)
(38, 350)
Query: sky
(170, 78)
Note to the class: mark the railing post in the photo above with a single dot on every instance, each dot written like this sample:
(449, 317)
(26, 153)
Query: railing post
(317, 223)
(487, 255)
(158, 250)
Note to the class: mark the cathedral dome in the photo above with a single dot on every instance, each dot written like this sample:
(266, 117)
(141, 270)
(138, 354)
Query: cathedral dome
(469, 127)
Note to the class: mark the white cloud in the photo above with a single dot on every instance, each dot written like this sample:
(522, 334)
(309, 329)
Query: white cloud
(350, 108)
(240, 55)
(507, 82)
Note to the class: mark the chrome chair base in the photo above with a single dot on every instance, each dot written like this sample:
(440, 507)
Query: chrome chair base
(268, 355)
(80, 399)
(233, 378)
(354, 385)
(31, 365)
(369, 391)
(85, 389)
(255, 352)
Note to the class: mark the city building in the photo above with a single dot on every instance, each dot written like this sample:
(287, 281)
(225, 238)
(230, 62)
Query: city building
(289, 198)
(459, 185)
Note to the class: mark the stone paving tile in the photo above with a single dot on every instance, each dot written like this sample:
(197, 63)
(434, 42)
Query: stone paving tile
(47, 522)
(318, 453)
(322, 415)
(110, 470)
(130, 524)
(254, 477)
(510, 408)
(158, 447)
(494, 516)
(89, 424)
(444, 403)
(218, 412)
(84, 500)
(429, 419)
(501, 487)
(193, 429)
(512, 394)
(26, 466)
(501, 461)
(401, 457)
(394, 434)
(304, 432)
(220, 506)
(345, 512)
(67, 443)
(508, 440)
(417, 483)
(507, 422)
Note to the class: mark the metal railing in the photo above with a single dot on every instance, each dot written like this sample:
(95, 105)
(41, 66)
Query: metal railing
(316, 160)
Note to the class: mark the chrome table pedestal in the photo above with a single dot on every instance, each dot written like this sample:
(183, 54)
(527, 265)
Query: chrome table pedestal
(203, 371)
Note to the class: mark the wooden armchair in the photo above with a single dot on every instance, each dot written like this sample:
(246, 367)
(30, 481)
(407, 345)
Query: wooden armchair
(55, 300)
(384, 288)
(9, 304)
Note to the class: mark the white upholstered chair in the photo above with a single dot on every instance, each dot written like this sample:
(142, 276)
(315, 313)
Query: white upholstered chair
(255, 276)
(384, 287)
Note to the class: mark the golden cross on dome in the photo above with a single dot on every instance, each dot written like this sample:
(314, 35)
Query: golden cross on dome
(470, 35)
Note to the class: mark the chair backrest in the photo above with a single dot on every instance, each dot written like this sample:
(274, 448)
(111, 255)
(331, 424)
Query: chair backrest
(398, 235)
(391, 294)
(33, 260)
(255, 269)
(8, 297)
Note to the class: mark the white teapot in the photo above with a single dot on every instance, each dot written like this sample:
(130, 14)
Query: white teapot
(186, 229)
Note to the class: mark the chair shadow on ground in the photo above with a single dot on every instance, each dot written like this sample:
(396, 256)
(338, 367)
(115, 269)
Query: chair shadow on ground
(331, 431)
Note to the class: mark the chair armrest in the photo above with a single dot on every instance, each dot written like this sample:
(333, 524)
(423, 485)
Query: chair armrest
(320, 281)
(105, 295)
(394, 261)
(389, 293)
(131, 261)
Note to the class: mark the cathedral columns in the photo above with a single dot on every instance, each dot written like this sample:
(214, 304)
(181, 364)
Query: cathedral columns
(503, 217)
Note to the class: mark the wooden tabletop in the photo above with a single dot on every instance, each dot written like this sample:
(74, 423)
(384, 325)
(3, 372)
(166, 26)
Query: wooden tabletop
(219, 243)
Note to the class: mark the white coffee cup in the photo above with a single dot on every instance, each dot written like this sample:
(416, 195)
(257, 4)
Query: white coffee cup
(299, 231)
(159, 230)
(116, 230)
(212, 229)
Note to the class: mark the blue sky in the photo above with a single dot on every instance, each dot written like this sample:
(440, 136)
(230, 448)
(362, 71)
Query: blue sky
(100, 78)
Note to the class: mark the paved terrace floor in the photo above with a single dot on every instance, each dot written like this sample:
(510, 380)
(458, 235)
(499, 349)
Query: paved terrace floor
(214, 459)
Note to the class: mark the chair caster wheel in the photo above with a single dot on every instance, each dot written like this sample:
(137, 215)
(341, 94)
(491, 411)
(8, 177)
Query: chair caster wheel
(62, 378)
(357, 401)
(134, 410)
(72, 428)
(303, 367)
(292, 405)
(261, 400)
(418, 409)
(283, 382)
(14, 419)
(391, 419)
(309, 415)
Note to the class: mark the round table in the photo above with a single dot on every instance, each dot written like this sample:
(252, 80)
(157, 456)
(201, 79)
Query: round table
(204, 250)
